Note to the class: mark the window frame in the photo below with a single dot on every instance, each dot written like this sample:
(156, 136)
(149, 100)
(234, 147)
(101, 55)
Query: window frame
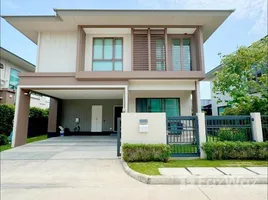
(113, 60)
(162, 98)
(218, 109)
(192, 56)
(10, 78)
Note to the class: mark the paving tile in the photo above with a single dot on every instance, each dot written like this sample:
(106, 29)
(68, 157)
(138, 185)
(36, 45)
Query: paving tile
(235, 171)
(259, 170)
(174, 172)
(204, 171)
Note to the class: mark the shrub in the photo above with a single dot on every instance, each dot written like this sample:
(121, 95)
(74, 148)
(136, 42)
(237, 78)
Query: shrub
(236, 150)
(146, 152)
(229, 134)
(3, 139)
(6, 116)
(38, 112)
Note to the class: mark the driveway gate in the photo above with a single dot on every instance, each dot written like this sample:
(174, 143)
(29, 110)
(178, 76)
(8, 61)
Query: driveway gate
(183, 136)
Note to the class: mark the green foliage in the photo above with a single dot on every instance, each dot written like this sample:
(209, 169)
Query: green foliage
(3, 139)
(6, 116)
(38, 112)
(146, 152)
(236, 150)
(229, 134)
(238, 78)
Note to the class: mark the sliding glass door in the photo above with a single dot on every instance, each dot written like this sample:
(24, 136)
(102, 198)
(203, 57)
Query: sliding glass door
(169, 105)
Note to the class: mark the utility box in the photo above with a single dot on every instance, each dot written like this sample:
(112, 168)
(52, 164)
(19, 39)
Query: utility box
(143, 125)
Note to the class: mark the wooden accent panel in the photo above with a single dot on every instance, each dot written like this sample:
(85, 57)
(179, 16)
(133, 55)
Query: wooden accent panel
(140, 50)
(80, 52)
(149, 49)
(199, 48)
(158, 50)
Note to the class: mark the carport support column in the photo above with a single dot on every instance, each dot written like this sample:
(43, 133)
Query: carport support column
(20, 128)
(201, 133)
(52, 117)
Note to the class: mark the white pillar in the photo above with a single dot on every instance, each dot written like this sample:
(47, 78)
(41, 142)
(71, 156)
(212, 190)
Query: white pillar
(126, 99)
(198, 102)
(123, 102)
(202, 133)
(256, 127)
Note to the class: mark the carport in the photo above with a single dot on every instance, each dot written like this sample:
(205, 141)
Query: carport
(97, 106)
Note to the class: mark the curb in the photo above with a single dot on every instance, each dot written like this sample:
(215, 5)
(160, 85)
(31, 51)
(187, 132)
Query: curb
(195, 180)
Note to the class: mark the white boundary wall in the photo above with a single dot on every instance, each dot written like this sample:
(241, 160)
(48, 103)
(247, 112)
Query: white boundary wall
(156, 128)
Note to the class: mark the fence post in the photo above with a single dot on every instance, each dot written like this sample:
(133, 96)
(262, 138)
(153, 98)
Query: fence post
(256, 127)
(202, 133)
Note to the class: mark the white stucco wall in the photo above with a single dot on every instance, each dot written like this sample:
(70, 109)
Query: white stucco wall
(156, 128)
(126, 50)
(57, 52)
(162, 85)
(185, 99)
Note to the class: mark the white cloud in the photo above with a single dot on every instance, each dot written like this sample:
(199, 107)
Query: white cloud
(253, 10)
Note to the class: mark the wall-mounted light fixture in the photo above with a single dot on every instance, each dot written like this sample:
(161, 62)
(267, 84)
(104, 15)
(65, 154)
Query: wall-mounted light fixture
(27, 93)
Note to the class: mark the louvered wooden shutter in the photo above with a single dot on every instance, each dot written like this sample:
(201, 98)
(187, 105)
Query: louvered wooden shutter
(158, 50)
(140, 50)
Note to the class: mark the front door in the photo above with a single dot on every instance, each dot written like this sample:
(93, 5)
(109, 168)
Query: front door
(96, 119)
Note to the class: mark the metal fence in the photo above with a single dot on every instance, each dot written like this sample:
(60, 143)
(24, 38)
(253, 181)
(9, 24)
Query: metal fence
(231, 128)
(182, 136)
(264, 122)
(118, 136)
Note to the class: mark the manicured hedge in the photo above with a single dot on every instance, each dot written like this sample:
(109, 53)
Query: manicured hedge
(38, 115)
(3, 139)
(236, 150)
(6, 118)
(146, 152)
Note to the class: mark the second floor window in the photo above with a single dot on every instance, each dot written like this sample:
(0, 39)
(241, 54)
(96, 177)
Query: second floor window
(14, 79)
(181, 54)
(107, 54)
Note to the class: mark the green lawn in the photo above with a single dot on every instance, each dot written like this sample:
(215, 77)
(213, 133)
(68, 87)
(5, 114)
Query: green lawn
(151, 168)
(183, 148)
(29, 140)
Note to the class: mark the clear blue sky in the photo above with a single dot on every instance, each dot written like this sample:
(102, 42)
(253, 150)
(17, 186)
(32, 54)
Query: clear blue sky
(246, 25)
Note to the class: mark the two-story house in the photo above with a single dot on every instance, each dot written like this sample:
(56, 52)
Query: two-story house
(95, 64)
(11, 66)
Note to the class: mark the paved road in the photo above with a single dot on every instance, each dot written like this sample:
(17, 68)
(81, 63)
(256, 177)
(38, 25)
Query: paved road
(86, 168)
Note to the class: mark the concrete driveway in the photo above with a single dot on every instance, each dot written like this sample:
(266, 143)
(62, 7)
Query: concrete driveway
(87, 168)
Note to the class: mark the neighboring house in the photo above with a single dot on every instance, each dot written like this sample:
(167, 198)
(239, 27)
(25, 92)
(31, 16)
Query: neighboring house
(96, 64)
(206, 106)
(11, 66)
(218, 107)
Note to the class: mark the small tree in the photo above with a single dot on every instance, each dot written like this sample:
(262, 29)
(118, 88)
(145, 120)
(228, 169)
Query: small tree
(243, 73)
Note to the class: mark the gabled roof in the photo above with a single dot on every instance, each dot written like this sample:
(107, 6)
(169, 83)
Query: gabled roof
(69, 19)
(20, 62)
